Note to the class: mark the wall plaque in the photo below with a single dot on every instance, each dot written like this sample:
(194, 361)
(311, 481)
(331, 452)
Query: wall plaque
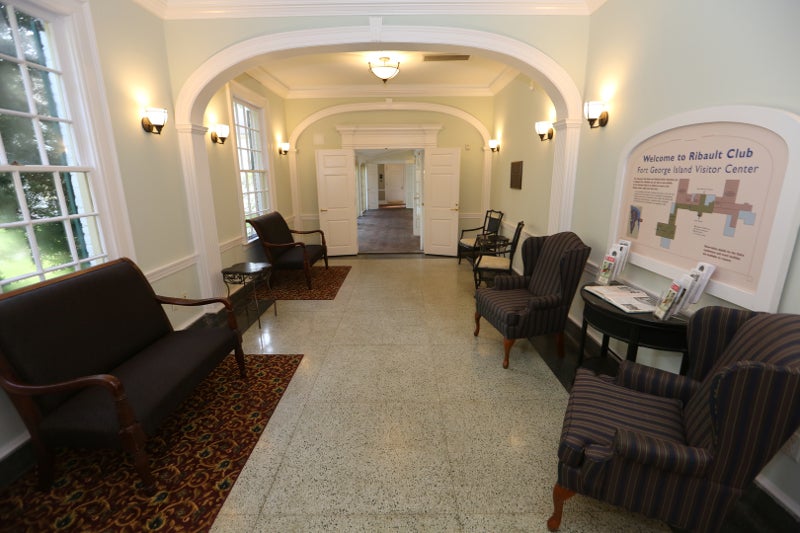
(516, 174)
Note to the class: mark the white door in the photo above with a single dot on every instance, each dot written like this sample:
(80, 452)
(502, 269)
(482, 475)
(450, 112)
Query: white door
(395, 175)
(440, 200)
(417, 200)
(336, 196)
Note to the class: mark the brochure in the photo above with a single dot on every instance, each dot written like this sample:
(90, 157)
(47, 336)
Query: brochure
(627, 298)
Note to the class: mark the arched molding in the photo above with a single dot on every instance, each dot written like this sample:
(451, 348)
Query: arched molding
(482, 130)
(212, 74)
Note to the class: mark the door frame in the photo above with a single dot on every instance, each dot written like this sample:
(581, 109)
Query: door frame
(417, 137)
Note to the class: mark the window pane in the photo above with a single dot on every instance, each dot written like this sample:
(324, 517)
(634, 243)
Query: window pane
(19, 140)
(54, 142)
(12, 89)
(9, 205)
(59, 272)
(46, 92)
(256, 160)
(33, 39)
(86, 232)
(6, 39)
(77, 193)
(16, 253)
(41, 195)
(53, 244)
(248, 203)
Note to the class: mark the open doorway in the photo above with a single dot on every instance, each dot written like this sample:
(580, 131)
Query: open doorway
(389, 216)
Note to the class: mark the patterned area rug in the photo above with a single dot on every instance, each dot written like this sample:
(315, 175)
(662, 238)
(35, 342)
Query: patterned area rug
(291, 284)
(196, 457)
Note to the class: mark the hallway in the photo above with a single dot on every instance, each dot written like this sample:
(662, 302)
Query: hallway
(399, 419)
(389, 230)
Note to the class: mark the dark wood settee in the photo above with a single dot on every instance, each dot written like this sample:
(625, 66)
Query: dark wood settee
(91, 360)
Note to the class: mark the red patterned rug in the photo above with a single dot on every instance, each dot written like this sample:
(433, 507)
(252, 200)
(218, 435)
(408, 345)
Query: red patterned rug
(196, 457)
(291, 284)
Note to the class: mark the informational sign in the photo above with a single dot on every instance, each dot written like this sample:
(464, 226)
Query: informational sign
(712, 192)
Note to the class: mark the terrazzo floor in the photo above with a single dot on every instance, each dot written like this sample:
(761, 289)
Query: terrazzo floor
(398, 419)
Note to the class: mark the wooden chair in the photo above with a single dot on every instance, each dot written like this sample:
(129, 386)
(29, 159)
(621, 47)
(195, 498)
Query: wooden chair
(467, 245)
(495, 256)
(283, 252)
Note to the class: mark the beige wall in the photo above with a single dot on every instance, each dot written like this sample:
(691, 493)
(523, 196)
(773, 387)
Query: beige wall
(518, 107)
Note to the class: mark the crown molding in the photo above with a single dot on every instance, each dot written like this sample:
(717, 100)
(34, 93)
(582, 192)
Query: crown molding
(216, 9)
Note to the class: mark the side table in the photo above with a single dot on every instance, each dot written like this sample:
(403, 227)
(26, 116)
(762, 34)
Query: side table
(636, 329)
(244, 273)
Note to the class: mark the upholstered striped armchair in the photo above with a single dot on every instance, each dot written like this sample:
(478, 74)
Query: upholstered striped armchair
(538, 301)
(683, 449)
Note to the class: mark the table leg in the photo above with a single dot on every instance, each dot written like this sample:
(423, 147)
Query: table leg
(633, 345)
(604, 346)
(269, 290)
(584, 327)
(255, 299)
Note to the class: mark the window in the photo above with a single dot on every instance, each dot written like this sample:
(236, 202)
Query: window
(49, 224)
(253, 164)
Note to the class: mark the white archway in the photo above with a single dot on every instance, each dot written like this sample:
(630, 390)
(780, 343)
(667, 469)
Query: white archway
(206, 80)
(392, 106)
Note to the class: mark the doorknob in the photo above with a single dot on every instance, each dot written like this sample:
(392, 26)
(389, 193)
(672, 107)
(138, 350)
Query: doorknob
(323, 210)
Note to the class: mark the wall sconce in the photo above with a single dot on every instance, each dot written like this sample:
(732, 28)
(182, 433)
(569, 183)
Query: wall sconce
(283, 148)
(153, 119)
(596, 113)
(544, 129)
(494, 145)
(219, 132)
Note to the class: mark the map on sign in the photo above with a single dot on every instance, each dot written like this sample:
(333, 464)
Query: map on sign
(706, 204)
(705, 192)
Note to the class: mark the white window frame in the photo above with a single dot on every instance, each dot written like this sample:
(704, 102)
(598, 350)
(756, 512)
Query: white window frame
(72, 33)
(238, 92)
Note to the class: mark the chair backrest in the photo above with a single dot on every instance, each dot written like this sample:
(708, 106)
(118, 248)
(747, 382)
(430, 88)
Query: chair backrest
(749, 402)
(80, 324)
(272, 229)
(492, 222)
(515, 241)
(558, 266)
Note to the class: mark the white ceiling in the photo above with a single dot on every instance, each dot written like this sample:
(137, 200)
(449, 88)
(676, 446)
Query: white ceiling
(214, 9)
(345, 74)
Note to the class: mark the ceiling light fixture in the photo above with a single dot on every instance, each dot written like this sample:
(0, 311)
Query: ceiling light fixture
(386, 69)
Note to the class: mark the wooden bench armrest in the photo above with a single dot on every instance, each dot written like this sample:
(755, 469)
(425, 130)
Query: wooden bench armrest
(232, 324)
(108, 381)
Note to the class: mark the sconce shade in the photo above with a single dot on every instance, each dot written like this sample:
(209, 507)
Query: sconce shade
(153, 119)
(595, 112)
(386, 69)
(220, 132)
(283, 148)
(494, 145)
(544, 129)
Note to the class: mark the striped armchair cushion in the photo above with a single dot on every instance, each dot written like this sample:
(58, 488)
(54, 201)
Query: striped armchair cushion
(598, 409)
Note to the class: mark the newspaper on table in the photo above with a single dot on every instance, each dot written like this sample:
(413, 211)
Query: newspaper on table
(629, 299)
